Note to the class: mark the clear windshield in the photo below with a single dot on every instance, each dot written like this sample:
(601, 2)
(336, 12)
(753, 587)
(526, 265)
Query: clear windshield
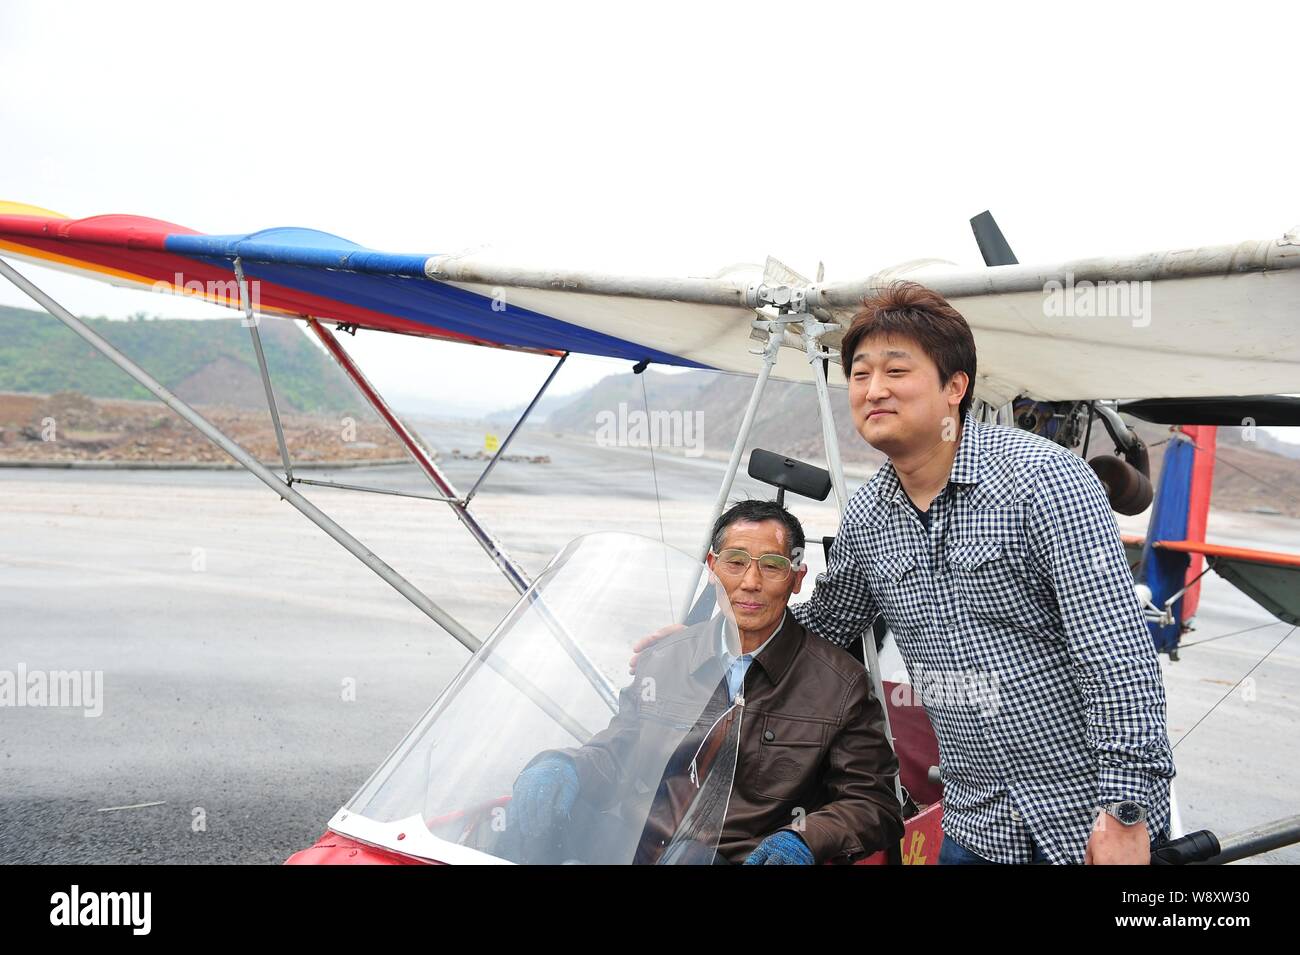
(652, 758)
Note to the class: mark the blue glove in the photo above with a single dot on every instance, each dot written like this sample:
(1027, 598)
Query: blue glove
(543, 794)
(781, 848)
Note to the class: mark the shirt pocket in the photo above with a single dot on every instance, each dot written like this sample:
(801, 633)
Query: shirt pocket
(896, 585)
(789, 753)
(972, 555)
(989, 580)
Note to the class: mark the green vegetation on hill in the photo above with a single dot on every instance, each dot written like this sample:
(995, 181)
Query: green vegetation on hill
(39, 355)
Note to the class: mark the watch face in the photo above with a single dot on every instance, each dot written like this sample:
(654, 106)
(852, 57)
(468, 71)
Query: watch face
(1129, 813)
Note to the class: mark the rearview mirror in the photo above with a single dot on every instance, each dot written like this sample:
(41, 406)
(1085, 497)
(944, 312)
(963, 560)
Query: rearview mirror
(787, 474)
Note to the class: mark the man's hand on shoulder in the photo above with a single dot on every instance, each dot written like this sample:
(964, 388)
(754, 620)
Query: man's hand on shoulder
(647, 641)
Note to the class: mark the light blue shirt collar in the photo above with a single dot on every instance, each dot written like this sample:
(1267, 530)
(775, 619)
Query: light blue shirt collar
(738, 666)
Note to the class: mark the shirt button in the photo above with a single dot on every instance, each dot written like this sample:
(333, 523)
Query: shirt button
(769, 735)
(1015, 815)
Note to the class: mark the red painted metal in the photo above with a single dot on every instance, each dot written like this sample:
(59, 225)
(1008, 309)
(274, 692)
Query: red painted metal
(350, 368)
(922, 837)
(1235, 553)
(334, 849)
(1204, 438)
(512, 571)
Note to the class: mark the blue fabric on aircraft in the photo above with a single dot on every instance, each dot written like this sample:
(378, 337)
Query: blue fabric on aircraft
(331, 267)
(293, 246)
(1164, 571)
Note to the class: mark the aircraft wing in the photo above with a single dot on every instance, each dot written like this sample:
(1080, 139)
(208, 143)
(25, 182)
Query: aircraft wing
(1271, 579)
(1213, 321)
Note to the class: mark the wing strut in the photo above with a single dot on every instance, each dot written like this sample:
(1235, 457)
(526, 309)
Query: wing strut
(518, 424)
(255, 467)
(491, 546)
(251, 320)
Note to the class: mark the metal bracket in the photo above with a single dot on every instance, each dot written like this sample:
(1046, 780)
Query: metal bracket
(812, 332)
(787, 298)
(1167, 614)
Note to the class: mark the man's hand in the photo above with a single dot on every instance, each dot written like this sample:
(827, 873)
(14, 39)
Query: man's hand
(1113, 843)
(544, 794)
(648, 640)
(781, 848)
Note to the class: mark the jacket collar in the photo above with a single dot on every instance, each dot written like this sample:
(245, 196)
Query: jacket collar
(778, 653)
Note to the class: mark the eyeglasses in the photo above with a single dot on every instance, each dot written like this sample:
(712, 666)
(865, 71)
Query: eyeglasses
(734, 562)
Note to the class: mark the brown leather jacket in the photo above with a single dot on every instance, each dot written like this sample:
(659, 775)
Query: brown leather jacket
(812, 753)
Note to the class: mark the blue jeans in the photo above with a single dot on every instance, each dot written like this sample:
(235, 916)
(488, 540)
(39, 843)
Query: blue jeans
(953, 852)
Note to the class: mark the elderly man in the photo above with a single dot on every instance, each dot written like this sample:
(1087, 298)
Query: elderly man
(813, 769)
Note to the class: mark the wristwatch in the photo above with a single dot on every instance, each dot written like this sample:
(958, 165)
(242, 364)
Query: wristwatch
(1128, 812)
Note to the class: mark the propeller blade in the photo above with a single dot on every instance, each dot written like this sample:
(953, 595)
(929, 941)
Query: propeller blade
(993, 245)
(1275, 411)
(776, 272)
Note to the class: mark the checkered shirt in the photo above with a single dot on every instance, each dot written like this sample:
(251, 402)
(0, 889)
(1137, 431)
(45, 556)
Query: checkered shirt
(1017, 621)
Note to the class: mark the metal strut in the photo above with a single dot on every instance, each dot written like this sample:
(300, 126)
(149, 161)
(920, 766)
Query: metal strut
(770, 349)
(518, 424)
(255, 467)
(505, 563)
(775, 335)
(818, 358)
(251, 320)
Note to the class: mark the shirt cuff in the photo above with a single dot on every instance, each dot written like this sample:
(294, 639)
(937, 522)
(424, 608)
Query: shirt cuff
(1125, 784)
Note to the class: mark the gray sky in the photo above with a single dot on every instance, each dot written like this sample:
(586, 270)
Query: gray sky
(676, 137)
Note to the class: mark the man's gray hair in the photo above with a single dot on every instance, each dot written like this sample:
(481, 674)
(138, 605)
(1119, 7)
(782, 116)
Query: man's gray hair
(755, 510)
